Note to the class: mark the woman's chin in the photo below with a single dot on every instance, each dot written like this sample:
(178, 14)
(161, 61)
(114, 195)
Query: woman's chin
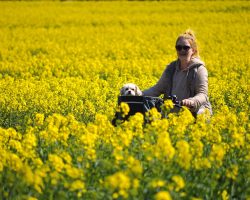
(183, 58)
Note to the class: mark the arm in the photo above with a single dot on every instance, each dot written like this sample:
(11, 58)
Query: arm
(201, 90)
(159, 88)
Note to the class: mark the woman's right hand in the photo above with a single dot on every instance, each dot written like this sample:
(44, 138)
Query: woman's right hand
(188, 102)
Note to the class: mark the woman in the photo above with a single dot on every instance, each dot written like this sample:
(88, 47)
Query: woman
(187, 77)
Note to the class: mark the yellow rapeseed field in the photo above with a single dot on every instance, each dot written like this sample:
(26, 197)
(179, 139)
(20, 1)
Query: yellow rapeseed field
(62, 65)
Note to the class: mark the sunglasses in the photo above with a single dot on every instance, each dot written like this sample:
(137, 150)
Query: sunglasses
(179, 48)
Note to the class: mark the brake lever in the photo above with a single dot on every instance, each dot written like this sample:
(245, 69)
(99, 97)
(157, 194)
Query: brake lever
(175, 101)
(178, 104)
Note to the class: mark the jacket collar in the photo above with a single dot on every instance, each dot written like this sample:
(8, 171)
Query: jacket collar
(194, 61)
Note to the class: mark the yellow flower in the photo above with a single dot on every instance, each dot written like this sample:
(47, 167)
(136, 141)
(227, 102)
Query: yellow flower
(153, 115)
(32, 198)
(136, 183)
(183, 154)
(179, 182)
(15, 144)
(38, 180)
(120, 182)
(38, 162)
(54, 177)
(14, 162)
(217, 154)
(167, 106)
(196, 198)
(29, 140)
(77, 185)
(157, 183)
(134, 165)
(201, 163)
(73, 172)
(28, 174)
(196, 148)
(163, 148)
(163, 195)
(115, 195)
(232, 172)
(39, 119)
(238, 140)
(224, 195)
(33, 178)
(124, 109)
(56, 162)
(66, 157)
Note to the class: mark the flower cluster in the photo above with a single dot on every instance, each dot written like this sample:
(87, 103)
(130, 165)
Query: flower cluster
(61, 69)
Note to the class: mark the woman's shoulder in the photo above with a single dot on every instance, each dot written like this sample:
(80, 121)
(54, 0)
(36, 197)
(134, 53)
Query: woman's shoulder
(202, 71)
(199, 66)
(197, 61)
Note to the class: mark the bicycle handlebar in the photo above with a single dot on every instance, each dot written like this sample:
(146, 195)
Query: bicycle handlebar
(175, 101)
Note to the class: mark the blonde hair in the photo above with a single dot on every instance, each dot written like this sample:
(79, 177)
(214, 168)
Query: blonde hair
(190, 36)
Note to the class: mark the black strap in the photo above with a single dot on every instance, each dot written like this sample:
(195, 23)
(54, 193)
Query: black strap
(170, 74)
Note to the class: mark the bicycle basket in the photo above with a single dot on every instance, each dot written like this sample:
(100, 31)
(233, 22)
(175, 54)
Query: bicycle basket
(141, 104)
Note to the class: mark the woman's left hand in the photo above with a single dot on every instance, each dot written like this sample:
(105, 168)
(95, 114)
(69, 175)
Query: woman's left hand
(187, 102)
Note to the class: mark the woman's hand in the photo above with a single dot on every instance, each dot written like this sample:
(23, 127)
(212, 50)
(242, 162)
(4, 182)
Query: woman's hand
(187, 102)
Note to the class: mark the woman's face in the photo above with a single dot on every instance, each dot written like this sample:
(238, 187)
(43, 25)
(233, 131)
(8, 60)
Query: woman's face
(184, 50)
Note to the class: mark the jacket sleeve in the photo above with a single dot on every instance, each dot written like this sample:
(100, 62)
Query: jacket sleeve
(159, 88)
(201, 88)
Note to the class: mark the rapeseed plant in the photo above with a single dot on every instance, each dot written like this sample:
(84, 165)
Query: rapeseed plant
(61, 69)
